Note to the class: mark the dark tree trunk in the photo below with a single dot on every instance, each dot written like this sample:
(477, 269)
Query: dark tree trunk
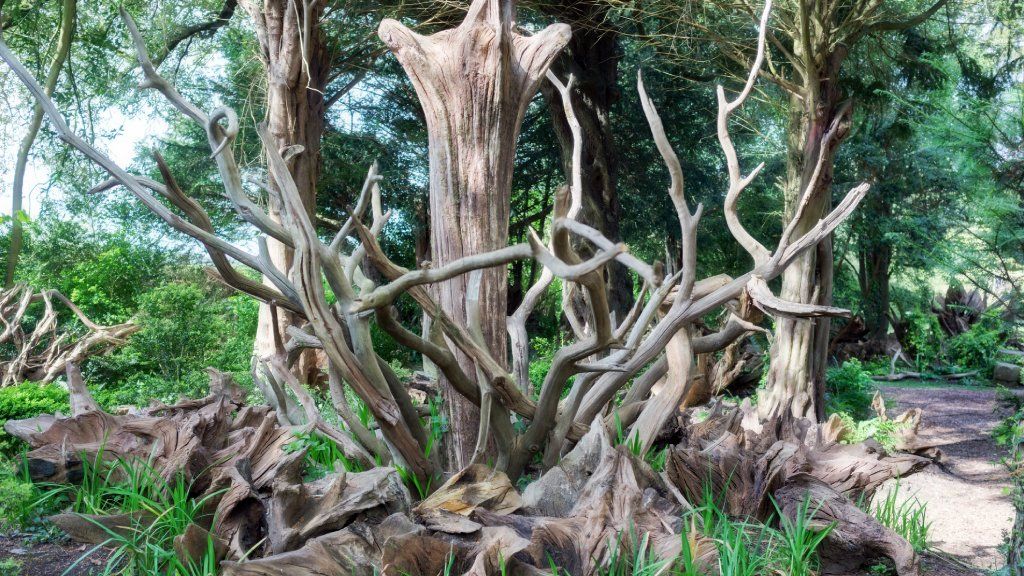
(592, 57)
(875, 260)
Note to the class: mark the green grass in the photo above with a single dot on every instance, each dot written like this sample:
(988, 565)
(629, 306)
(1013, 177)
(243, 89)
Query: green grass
(800, 540)
(906, 516)
(745, 547)
(634, 558)
(323, 455)
(167, 508)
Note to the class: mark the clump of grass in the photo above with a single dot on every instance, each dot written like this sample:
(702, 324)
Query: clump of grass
(323, 456)
(906, 516)
(745, 546)
(165, 510)
(800, 539)
(632, 558)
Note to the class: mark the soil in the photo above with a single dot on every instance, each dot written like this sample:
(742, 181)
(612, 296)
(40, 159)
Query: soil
(51, 558)
(967, 494)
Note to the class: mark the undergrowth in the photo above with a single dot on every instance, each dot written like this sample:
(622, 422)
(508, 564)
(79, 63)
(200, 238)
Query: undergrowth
(158, 510)
(745, 547)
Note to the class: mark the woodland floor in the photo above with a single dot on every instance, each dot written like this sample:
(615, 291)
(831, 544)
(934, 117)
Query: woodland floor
(967, 498)
(967, 495)
(49, 558)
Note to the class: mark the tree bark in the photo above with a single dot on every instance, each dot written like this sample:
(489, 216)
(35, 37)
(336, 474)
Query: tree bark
(592, 57)
(297, 64)
(69, 13)
(800, 347)
(474, 83)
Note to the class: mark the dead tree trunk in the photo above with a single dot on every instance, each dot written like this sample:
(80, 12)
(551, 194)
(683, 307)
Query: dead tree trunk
(474, 83)
(592, 57)
(297, 64)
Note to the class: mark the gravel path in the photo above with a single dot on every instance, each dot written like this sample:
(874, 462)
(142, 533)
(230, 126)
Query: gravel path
(967, 496)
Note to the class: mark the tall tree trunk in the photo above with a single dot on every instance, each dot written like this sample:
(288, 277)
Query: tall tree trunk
(800, 347)
(296, 63)
(592, 57)
(474, 83)
(69, 14)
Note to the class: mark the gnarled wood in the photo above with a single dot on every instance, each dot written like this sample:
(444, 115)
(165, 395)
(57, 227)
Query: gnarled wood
(474, 83)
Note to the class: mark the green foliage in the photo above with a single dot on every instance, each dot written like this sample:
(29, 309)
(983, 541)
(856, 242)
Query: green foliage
(180, 327)
(28, 400)
(18, 500)
(883, 431)
(906, 516)
(540, 364)
(1011, 427)
(849, 389)
(977, 348)
(10, 567)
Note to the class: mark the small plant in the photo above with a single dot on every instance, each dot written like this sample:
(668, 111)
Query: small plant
(907, 517)
(10, 567)
(885, 432)
(686, 563)
(633, 443)
(658, 459)
(422, 488)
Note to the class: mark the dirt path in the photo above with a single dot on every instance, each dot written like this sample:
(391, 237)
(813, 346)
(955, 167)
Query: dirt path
(967, 498)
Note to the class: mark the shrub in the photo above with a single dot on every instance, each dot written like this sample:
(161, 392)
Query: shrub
(849, 389)
(184, 329)
(543, 353)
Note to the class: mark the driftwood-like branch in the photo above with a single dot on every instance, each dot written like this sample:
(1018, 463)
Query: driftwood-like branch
(42, 350)
(771, 304)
